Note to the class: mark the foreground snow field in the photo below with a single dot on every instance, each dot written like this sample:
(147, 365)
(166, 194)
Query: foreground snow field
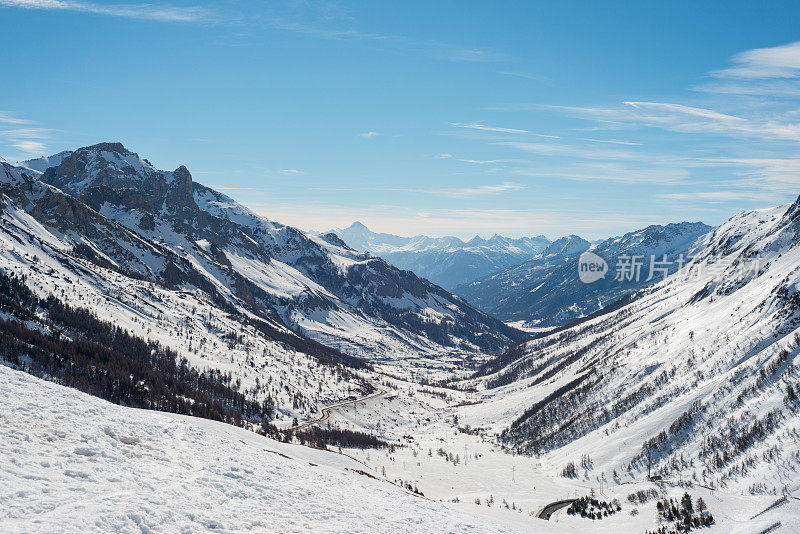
(70, 462)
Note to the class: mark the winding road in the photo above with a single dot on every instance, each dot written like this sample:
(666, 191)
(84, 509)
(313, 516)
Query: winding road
(551, 508)
(326, 412)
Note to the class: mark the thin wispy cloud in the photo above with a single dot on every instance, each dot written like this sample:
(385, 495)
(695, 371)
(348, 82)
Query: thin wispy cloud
(291, 171)
(772, 72)
(368, 135)
(561, 149)
(721, 196)
(482, 161)
(766, 88)
(613, 172)
(162, 13)
(476, 161)
(471, 55)
(775, 175)
(527, 76)
(687, 119)
(773, 62)
(331, 20)
(329, 33)
(609, 141)
(687, 110)
(483, 127)
(24, 136)
(463, 192)
(29, 146)
(5, 118)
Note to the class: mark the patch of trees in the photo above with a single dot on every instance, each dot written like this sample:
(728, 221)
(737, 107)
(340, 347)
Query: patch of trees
(655, 446)
(84, 251)
(683, 516)
(731, 440)
(642, 496)
(544, 369)
(591, 508)
(322, 353)
(559, 418)
(559, 335)
(767, 374)
(569, 471)
(353, 439)
(74, 348)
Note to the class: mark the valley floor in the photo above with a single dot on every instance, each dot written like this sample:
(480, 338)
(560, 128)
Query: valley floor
(449, 465)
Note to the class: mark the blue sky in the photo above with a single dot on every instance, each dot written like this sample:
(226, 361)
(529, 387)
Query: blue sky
(456, 118)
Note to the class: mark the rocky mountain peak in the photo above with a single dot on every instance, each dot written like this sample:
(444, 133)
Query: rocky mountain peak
(114, 146)
(181, 193)
(793, 213)
(570, 244)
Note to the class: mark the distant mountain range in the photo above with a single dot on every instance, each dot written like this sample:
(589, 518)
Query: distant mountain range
(445, 261)
(546, 290)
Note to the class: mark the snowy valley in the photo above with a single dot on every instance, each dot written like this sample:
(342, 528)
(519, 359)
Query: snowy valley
(314, 387)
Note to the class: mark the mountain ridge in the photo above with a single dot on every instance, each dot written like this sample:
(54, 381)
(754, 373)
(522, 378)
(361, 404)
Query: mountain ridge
(546, 290)
(328, 292)
(698, 371)
(446, 261)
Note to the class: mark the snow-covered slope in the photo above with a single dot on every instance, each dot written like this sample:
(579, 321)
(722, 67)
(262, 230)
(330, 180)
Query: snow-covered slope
(446, 261)
(74, 463)
(546, 290)
(208, 327)
(41, 164)
(118, 210)
(700, 370)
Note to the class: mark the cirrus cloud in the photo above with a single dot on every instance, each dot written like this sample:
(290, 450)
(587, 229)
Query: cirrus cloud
(774, 62)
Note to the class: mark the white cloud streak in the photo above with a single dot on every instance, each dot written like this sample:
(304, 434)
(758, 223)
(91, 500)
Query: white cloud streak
(29, 140)
(479, 126)
(721, 196)
(687, 119)
(773, 62)
(464, 192)
(687, 110)
(610, 141)
(163, 13)
(5, 118)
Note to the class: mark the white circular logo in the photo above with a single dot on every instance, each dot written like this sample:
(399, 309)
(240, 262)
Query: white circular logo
(591, 267)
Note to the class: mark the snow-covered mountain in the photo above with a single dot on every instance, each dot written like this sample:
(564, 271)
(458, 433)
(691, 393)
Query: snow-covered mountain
(546, 290)
(269, 308)
(41, 164)
(698, 371)
(445, 261)
(152, 291)
(311, 283)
